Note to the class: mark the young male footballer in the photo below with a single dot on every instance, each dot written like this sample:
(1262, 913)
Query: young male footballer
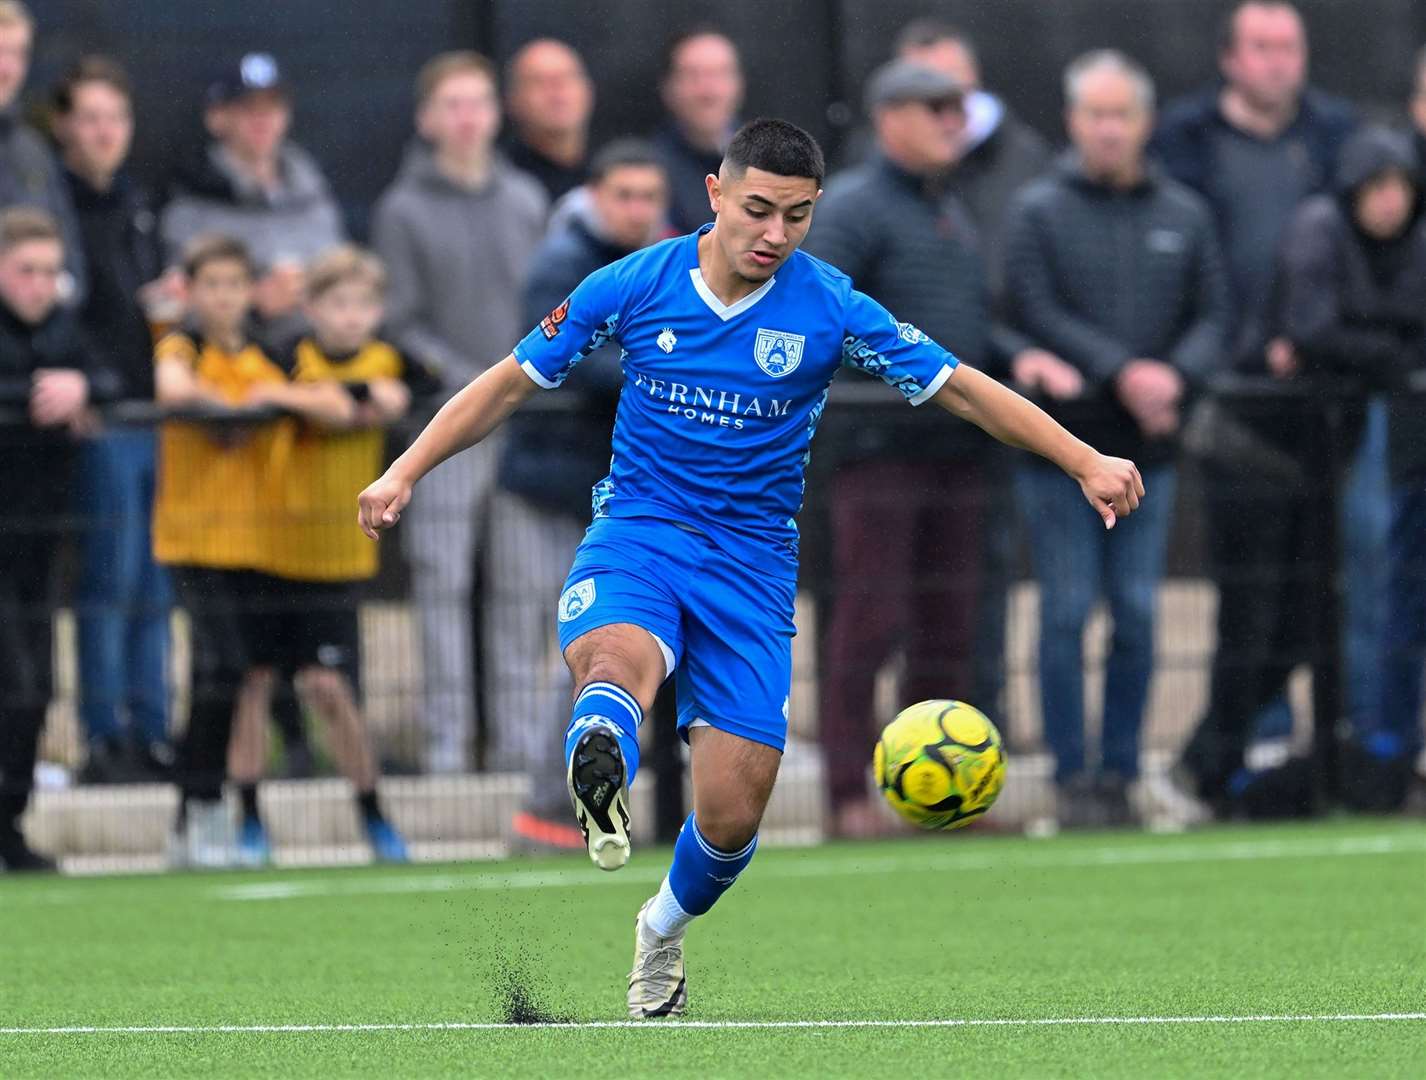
(730, 337)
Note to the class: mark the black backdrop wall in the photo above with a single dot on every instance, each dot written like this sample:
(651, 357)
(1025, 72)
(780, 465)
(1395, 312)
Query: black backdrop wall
(352, 62)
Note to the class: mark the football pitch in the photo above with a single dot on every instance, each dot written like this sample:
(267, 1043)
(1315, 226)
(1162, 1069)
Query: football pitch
(1266, 951)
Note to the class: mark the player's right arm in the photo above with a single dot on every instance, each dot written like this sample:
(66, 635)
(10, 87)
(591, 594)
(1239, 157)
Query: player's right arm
(546, 355)
(472, 414)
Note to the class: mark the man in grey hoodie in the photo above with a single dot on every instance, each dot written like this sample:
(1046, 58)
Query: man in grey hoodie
(254, 183)
(457, 231)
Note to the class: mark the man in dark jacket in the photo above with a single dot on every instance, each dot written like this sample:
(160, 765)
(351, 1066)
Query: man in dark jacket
(43, 391)
(548, 101)
(1116, 271)
(124, 596)
(29, 175)
(550, 465)
(1352, 304)
(905, 524)
(702, 90)
(1255, 144)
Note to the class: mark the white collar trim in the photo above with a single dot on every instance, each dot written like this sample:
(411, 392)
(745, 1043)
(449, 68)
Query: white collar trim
(722, 310)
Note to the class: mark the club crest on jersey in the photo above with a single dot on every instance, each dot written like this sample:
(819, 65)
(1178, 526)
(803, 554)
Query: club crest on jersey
(667, 340)
(577, 599)
(777, 352)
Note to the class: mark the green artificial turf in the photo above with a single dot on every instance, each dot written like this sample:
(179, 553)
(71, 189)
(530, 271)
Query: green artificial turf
(1317, 920)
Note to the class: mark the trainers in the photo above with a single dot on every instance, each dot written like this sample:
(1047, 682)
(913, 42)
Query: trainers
(17, 857)
(254, 849)
(658, 985)
(386, 843)
(206, 840)
(1162, 803)
(600, 795)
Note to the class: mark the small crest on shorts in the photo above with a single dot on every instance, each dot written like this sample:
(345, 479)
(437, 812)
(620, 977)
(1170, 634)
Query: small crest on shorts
(777, 352)
(667, 339)
(577, 599)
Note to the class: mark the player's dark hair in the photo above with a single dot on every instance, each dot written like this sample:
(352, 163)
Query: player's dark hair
(1228, 28)
(216, 247)
(925, 32)
(777, 147)
(621, 154)
(682, 37)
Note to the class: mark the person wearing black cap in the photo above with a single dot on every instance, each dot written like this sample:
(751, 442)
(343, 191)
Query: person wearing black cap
(910, 245)
(255, 184)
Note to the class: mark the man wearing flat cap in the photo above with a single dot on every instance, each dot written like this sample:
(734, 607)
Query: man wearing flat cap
(254, 183)
(901, 504)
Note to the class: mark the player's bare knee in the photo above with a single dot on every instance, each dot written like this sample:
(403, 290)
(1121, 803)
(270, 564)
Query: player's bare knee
(624, 656)
(325, 686)
(729, 827)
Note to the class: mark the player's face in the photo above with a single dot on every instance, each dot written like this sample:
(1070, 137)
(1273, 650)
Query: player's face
(1267, 61)
(14, 61)
(345, 316)
(462, 114)
(762, 218)
(630, 202)
(97, 132)
(220, 295)
(29, 279)
(1109, 124)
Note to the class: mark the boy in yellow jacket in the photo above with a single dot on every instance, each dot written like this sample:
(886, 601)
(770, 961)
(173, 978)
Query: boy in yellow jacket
(218, 488)
(316, 556)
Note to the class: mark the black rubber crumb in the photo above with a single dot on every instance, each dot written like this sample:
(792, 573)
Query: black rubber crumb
(517, 998)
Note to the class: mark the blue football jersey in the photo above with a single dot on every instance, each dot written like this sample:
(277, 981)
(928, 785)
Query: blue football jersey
(720, 402)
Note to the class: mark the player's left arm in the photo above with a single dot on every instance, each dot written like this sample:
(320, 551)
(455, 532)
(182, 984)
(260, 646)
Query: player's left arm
(1112, 485)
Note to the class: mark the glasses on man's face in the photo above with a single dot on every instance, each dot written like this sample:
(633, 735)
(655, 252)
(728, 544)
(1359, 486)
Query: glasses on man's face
(945, 106)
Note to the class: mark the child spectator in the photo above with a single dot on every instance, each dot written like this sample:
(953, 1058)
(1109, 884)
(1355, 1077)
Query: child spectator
(317, 557)
(217, 487)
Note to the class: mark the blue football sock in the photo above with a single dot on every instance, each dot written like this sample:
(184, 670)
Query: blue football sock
(610, 706)
(700, 874)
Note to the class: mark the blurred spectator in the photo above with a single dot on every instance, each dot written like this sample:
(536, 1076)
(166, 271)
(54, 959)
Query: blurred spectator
(43, 391)
(1255, 144)
(213, 513)
(997, 154)
(315, 558)
(550, 466)
(1113, 270)
(29, 175)
(1353, 306)
(905, 525)
(253, 182)
(124, 596)
(702, 88)
(456, 231)
(1416, 108)
(549, 98)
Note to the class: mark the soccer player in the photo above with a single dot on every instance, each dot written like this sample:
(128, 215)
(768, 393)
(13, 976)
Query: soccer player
(731, 337)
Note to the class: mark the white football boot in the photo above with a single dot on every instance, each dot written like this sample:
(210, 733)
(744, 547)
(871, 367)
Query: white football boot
(658, 985)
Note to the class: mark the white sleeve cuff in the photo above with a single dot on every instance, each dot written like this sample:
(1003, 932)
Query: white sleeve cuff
(935, 384)
(539, 380)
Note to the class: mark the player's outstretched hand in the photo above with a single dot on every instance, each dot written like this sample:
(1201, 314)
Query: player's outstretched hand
(379, 506)
(1113, 487)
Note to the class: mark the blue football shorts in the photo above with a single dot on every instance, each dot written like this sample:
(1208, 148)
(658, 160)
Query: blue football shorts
(724, 623)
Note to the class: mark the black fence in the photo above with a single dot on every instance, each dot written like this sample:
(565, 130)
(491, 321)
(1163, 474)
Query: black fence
(464, 755)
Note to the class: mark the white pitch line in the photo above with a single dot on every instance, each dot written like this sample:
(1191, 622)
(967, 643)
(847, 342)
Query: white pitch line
(717, 1025)
(985, 859)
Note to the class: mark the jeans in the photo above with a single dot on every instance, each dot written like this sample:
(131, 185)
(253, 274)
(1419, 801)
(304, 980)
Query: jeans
(123, 597)
(1399, 728)
(1076, 560)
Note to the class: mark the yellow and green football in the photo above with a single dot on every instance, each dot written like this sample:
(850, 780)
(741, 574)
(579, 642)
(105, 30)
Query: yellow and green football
(940, 764)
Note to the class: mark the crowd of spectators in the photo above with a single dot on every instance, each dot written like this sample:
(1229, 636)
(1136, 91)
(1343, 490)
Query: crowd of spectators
(1257, 227)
